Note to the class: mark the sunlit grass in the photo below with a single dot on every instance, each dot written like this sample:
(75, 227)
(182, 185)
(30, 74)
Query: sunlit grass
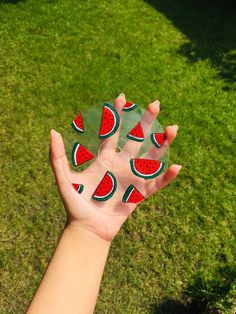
(60, 56)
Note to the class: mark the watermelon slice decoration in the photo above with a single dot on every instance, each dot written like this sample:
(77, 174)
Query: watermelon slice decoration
(106, 188)
(132, 195)
(110, 121)
(80, 154)
(158, 139)
(78, 187)
(146, 168)
(77, 124)
(136, 134)
(129, 106)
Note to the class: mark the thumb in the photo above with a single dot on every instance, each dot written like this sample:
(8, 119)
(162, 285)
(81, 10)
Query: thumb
(58, 159)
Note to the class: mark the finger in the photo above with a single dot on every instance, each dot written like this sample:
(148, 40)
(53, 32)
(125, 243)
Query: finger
(111, 142)
(58, 159)
(147, 121)
(156, 153)
(163, 180)
(171, 133)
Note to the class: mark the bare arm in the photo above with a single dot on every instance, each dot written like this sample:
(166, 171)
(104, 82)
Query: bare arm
(72, 279)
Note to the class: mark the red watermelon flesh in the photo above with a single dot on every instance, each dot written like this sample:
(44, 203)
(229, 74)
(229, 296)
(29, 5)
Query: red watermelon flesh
(78, 187)
(136, 134)
(77, 124)
(80, 154)
(106, 187)
(129, 106)
(146, 168)
(110, 121)
(132, 195)
(158, 139)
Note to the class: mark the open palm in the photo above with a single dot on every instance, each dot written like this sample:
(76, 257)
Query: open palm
(105, 218)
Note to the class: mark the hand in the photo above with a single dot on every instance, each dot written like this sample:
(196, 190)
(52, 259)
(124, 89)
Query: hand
(104, 219)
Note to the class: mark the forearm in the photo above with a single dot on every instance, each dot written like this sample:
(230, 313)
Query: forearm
(72, 280)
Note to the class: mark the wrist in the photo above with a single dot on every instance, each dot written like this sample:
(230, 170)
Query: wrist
(79, 233)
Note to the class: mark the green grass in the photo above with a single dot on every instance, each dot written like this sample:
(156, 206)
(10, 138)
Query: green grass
(176, 253)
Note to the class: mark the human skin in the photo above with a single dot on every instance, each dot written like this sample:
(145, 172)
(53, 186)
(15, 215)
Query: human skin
(73, 277)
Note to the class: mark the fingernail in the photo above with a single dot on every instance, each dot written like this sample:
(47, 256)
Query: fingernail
(53, 131)
(180, 167)
(157, 103)
(176, 127)
(122, 95)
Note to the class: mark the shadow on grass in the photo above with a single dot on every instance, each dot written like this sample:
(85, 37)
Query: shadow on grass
(210, 26)
(207, 294)
(174, 307)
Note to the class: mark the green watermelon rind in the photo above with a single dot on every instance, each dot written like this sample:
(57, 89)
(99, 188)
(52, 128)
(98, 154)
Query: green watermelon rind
(154, 141)
(73, 158)
(73, 154)
(147, 176)
(108, 196)
(75, 128)
(117, 122)
(134, 106)
(134, 138)
(128, 192)
(80, 189)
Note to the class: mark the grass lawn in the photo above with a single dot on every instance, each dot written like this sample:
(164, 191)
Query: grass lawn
(176, 253)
